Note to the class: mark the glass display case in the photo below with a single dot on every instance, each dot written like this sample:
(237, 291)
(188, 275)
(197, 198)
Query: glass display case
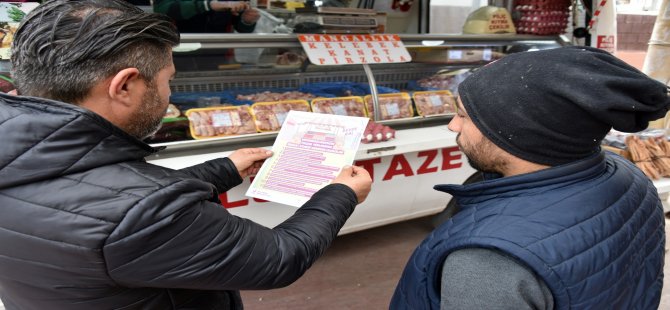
(236, 69)
(241, 70)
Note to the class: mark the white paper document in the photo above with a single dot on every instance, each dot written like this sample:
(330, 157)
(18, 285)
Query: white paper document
(309, 152)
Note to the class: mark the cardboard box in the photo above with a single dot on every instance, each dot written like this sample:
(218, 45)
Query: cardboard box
(622, 152)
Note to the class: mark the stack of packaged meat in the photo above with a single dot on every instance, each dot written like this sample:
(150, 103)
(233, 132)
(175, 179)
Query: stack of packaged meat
(269, 116)
(348, 106)
(391, 106)
(375, 132)
(220, 121)
(268, 96)
(434, 102)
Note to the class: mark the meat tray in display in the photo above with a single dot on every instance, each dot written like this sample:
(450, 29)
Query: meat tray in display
(220, 121)
(348, 106)
(434, 102)
(269, 116)
(391, 106)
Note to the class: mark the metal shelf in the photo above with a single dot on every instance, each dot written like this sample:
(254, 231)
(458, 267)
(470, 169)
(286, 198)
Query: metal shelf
(274, 40)
(181, 148)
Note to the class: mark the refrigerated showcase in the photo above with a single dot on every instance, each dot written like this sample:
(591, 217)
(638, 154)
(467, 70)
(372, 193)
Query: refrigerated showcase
(405, 169)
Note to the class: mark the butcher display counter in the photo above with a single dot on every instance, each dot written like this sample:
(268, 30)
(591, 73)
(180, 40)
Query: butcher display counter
(233, 74)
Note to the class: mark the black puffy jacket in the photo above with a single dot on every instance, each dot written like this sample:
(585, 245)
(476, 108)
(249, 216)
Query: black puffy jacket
(86, 223)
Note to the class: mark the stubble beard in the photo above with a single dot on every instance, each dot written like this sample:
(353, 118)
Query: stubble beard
(481, 156)
(147, 121)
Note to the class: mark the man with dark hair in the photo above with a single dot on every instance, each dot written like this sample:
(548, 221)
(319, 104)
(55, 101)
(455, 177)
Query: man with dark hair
(87, 223)
(557, 223)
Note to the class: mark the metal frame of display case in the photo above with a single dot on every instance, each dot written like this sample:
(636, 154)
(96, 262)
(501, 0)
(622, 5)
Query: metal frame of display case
(217, 41)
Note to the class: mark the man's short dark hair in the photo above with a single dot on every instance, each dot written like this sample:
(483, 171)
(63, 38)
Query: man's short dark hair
(63, 48)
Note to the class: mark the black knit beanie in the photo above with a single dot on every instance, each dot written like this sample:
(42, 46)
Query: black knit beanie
(555, 106)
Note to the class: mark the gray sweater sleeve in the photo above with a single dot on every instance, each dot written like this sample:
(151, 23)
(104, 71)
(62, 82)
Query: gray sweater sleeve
(487, 279)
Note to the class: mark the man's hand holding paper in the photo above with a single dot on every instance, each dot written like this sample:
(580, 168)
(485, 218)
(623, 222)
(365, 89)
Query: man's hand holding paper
(309, 153)
(248, 161)
(358, 179)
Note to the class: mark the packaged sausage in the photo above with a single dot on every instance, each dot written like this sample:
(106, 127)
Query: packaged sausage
(434, 102)
(348, 106)
(269, 116)
(391, 106)
(220, 121)
(376, 132)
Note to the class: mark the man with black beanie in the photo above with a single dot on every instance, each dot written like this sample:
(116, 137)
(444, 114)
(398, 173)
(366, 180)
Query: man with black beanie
(557, 223)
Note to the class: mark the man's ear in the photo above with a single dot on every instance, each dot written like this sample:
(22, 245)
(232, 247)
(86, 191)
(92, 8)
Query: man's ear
(127, 87)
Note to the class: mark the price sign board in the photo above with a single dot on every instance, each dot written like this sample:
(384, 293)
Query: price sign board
(349, 49)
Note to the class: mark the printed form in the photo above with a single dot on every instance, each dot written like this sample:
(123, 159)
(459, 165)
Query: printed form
(309, 152)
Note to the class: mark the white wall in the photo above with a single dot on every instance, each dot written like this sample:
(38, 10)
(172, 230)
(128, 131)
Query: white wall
(448, 16)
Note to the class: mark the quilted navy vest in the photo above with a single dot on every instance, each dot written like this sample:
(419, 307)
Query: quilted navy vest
(593, 230)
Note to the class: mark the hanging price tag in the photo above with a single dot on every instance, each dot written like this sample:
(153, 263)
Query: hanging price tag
(335, 49)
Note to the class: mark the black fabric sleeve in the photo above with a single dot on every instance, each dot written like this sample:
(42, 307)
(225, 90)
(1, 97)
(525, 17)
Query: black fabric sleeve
(177, 239)
(220, 172)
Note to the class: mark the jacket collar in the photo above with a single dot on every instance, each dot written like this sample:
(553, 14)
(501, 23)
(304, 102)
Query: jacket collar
(511, 186)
